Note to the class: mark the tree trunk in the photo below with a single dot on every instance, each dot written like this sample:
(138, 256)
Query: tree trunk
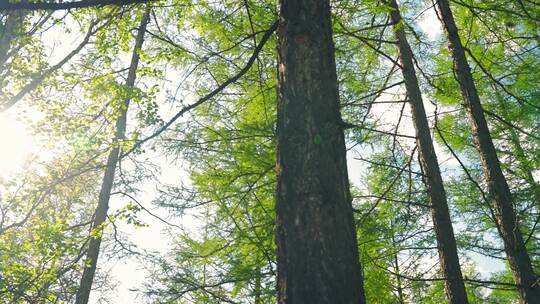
(442, 224)
(258, 286)
(83, 293)
(399, 287)
(9, 31)
(316, 239)
(499, 192)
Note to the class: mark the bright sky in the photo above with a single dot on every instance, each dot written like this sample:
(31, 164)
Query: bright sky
(17, 144)
(430, 24)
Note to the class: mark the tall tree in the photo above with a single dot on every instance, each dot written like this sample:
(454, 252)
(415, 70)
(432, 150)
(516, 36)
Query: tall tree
(317, 253)
(446, 242)
(83, 293)
(499, 192)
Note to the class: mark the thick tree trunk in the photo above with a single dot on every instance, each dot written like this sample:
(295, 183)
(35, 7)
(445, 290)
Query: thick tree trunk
(83, 293)
(317, 250)
(442, 224)
(499, 192)
(8, 32)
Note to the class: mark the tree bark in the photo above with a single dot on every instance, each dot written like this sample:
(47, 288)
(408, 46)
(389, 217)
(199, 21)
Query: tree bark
(8, 32)
(83, 293)
(499, 192)
(316, 239)
(442, 224)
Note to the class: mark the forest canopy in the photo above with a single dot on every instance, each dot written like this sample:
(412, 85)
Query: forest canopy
(255, 151)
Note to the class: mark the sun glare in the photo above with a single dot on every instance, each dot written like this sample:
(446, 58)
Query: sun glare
(16, 145)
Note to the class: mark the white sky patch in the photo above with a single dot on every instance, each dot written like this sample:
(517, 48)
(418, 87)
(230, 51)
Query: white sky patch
(536, 175)
(486, 265)
(430, 24)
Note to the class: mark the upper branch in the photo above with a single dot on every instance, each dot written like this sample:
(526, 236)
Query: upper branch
(43, 5)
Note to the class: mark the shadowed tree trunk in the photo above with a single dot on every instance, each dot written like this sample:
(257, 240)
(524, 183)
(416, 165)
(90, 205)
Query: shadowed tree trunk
(9, 30)
(258, 285)
(83, 293)
(499, 192)
(317, 251)
(442, 224)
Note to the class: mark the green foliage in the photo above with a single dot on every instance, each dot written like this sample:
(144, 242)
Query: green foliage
(38, 256)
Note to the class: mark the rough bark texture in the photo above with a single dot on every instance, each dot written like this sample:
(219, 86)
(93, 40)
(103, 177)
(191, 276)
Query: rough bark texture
(83, 293)
(317, 251)
(499, 192)
(442, 224)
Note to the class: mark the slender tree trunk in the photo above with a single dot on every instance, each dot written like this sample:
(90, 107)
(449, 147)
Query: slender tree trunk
(100, 216)
(258, 285)
(399, 287)
(317, 250)
(442, 224)
(499, 192)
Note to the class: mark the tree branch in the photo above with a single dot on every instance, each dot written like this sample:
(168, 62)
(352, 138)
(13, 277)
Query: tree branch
(213, 93)
(43, 5)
